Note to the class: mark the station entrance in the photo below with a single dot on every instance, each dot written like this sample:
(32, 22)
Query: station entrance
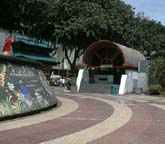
(107, 61)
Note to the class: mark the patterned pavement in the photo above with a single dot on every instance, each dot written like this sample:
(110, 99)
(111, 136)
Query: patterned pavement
(91, 119)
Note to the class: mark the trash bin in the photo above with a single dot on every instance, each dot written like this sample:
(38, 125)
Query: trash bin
(114, 89)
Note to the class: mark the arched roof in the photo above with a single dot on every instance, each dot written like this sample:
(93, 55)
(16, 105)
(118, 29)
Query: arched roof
(108, 52)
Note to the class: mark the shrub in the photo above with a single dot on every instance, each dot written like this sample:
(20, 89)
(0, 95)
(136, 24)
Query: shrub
(155, 89)
(72, 81)
(162, 94)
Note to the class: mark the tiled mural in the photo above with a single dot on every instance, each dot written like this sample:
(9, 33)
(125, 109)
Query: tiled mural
(23, 88)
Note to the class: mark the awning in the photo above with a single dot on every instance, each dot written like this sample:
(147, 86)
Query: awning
(108, 53)
(37, 58)
(32, 42)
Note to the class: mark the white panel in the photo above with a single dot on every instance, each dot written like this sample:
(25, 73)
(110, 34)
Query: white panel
(79, 78)
(122, 84)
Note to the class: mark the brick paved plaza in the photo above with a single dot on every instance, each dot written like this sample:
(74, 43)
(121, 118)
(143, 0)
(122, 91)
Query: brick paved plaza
(91, 119)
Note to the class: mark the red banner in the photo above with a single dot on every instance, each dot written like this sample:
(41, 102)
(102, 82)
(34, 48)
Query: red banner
(7, 45)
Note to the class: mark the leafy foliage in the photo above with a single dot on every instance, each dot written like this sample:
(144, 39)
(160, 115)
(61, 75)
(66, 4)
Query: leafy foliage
(72, 81)
(155, 90)
(77, 23)
(74, 24)
(27, 16)
(158, 72)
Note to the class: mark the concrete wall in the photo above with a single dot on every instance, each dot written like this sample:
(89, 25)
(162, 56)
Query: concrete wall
(23, 87)
(136, 82)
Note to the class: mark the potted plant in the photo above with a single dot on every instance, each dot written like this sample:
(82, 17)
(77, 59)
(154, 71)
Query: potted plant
(72, 84)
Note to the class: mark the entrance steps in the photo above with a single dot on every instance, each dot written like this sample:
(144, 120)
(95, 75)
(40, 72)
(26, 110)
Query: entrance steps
(96, 88)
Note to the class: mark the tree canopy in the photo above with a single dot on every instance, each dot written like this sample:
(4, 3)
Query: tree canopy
(75, 24)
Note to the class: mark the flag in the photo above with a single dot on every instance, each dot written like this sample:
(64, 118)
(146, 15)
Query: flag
(7, 45)
(58, 54)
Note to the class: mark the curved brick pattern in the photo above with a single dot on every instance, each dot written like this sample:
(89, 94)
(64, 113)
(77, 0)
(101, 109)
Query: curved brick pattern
(145, 127)
(71, 123)
(155, 134)
(121, 116)
(139, 122)
(159, 106)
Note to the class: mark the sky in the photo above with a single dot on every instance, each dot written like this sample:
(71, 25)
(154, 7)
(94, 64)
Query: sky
(154, 9)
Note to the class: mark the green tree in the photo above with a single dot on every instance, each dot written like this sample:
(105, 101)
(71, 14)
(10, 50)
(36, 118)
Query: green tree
(9, 11)
(158, 71)
(24, 15)
(147, 34)
(74, 24)
(77, 23)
